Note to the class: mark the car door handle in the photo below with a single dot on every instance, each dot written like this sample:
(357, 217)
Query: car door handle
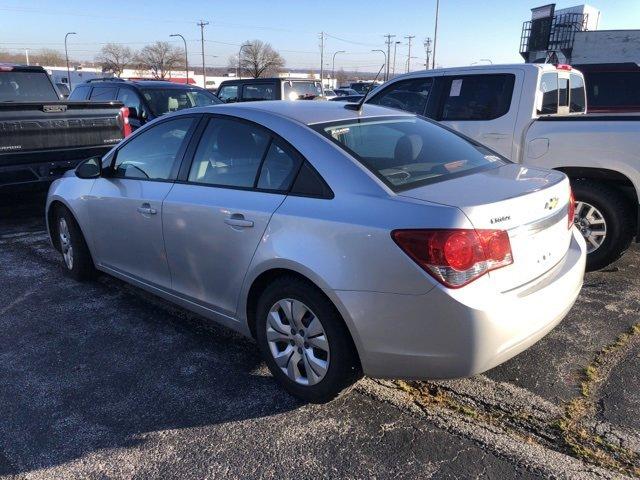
(146, 209)
(238, 220)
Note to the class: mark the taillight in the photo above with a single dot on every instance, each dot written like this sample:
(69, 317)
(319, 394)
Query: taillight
(571, 208)
(456, 257)
(126, 126)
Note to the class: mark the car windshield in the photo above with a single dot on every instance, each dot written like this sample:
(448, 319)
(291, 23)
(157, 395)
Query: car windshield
(405, 152)
(295, 90)
(166, 100)
(26, 87)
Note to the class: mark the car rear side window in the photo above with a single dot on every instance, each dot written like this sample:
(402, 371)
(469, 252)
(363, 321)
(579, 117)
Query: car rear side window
(409, 151)
(578, 102)
(478, 97)
(278, 168)
(549, 89)
(229, 154)
(228, 93)
(260, 91)
(81, 92)
(104, 93)
(409, 95)
(153, 154)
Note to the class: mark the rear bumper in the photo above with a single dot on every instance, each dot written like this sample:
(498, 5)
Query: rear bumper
(458, 333)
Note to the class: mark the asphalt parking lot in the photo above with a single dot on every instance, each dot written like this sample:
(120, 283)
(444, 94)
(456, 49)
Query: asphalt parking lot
(101, 380)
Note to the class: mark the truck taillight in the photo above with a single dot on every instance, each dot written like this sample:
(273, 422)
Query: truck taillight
(124, 118)
(564, 66)
(571, 208)
(456, 257)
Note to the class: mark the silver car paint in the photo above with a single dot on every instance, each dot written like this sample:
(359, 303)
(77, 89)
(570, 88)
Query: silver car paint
(342, 245)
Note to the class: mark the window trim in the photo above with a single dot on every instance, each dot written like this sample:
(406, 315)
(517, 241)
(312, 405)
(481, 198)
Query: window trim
(180, 155)
(196, 138)
(446, 87)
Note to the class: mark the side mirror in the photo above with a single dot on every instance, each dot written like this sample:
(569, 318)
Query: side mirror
(89, 168)
(133, 113)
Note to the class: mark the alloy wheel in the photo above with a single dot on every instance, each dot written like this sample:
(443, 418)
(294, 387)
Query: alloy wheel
(65, 243)
(297, 341)
(592, 225)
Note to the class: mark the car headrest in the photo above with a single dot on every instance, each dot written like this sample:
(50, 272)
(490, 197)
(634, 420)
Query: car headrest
(236, 141)
(407, 149)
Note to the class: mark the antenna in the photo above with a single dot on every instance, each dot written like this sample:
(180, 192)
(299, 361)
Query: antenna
(358, 106)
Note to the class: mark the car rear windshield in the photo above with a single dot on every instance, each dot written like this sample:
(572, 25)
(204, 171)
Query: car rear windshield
(166, 100)
(406, 152)
(26, 87)
(299, 90)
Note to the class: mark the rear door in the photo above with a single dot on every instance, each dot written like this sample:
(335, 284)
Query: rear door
(483, 107)
(216, 215)
(125, 206)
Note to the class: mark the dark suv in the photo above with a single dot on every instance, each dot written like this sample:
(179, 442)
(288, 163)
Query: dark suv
(146, 99)
(254, 89)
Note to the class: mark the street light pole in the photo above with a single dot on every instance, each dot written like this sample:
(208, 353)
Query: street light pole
(333, 64)
(395, 48)
(435, 36)
(239, 54)
(66, 56)
(385, 57)
(186, 58)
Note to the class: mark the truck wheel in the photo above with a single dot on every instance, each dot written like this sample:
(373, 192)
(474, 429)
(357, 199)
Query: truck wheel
(605, 219)
(72, 245)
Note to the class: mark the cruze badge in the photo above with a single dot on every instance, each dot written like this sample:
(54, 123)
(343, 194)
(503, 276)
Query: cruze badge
(551, 203)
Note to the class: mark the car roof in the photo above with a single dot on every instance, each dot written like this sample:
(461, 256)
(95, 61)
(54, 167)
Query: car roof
(268, 79)
(308, 112)
(139, 83)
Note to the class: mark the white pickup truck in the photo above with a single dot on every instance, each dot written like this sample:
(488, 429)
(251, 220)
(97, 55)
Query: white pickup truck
(535, 114)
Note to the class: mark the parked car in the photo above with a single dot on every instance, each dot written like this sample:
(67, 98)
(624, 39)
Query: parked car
(348, 98)
(345, 92)
(363, 87)
(344, 241)
(42, 136)
(329, 94)
(146, 99)
(612, 87)
(254, 89)
(535, 114)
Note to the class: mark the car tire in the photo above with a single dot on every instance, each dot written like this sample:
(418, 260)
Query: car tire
(614, 209)
(76, 257)
(342, 364)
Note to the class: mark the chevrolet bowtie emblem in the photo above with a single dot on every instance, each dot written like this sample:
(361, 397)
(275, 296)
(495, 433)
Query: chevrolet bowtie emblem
(551, 203)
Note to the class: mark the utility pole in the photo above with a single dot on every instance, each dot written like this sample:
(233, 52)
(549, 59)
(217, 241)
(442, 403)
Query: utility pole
(393, 65)
(388, 42)
(203, 24)
(427, 51)
(322, 62)
(409, 37)
(26, 53)
(435, 35)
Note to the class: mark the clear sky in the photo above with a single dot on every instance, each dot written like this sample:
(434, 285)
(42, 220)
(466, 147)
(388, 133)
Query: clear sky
(469, 30)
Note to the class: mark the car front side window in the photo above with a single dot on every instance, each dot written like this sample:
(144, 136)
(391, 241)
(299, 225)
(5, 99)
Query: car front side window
(154, 153)
(409, 95)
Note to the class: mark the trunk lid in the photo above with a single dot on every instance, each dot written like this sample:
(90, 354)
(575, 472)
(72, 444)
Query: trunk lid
(530, 204)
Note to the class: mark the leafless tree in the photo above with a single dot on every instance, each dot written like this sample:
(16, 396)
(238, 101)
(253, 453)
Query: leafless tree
(160, 58)
(341, 77)
(259, 59)
(115, 58)
(49, 57)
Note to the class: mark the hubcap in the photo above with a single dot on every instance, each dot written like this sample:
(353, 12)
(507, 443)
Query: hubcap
(590, 221)
(297, 341)
(65, 243)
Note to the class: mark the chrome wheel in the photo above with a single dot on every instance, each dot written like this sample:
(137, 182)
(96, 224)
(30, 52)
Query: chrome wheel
(297, 341)
(65, 243)
(592, 225)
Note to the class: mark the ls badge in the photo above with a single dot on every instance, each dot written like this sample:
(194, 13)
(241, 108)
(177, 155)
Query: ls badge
(551, 203)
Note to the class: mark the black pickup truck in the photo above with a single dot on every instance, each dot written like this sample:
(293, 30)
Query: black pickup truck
(42, 136)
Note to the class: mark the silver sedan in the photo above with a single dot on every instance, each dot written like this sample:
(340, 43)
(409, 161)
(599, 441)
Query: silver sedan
(344, 241)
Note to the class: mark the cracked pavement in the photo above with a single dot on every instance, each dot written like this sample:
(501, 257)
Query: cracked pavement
(102, 380)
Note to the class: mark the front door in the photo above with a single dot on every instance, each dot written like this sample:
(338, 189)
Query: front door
(125, 205)
(213, 222)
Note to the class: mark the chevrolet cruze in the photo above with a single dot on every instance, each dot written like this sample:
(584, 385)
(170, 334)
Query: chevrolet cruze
(344, 240)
